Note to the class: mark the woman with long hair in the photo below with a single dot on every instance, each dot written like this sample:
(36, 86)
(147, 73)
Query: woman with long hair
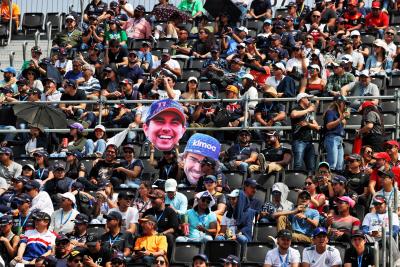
(42, 166)
(143, 201)
(334, 122)
(97, 144)
(202, 47)
(115, 32)
(106, 199)
(372, 126)
(32, 75)
(73, 168)
(317, 199)
(379, 63)
(192, 92)
(313, 83)
(161, 261)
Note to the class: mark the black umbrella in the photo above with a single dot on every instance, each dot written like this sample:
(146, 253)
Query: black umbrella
(42, 114)
(217, 7)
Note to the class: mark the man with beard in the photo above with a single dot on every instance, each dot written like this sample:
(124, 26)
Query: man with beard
(133, 70)
(62, 250)
(167, 218)
(9, 80)
(24, 221)
(353, 17)
(138, 27)
(69, 38)
(79, 235)
(198, 147)
(104, 169)
(321, 254)
(274, 157)
(50, 91)
(388, 188)
(242, 155)
(283, 254)
(165, 124)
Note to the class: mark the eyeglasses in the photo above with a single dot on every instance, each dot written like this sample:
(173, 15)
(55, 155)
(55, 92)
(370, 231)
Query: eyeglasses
(309, 38)
(307, 183)
(78, 260)
(161, 262)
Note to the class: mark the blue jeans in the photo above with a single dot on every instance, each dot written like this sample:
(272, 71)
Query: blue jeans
(334, 151)
(242, 239)
(303, 151)
(91, 148)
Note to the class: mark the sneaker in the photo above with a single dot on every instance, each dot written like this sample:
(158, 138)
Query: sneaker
(262, 162)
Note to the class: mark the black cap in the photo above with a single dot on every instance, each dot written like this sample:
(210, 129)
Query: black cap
(202, 257)
(140, 8)
(92, 239)
(386, 173)
(245, 131)
(250, 182)
(21, 178)
(71, 83)
(114, 215)
(34, 91)
(284, 233)
(41, 153)
(6, 219)
(50, 79)
(62, 237)
(358, 233)
(22, 81)
(32, 184)
(36, 49)
(78, 185)
(41, 216)
(58, 166)
(125, 195)
(81, 218)
(209, 161)
(305, 193)
(148, 218)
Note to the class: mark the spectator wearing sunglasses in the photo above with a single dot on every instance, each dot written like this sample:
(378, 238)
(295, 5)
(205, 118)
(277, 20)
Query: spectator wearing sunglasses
(366, 159)
(62, 249)
(357, 180)
(118, 260)
(161, 261)
(202, 222)
(389, 37)
(392, 148)
(95, 254)
(317, 199)
(388, 179)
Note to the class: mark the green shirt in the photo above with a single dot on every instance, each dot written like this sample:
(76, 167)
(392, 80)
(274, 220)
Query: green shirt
(335, 82)
(119, 35)
(192, 6)
(65, 38)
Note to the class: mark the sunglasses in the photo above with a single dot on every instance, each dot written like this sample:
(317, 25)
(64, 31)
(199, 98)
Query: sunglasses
(389, 33)
(309, 38)
(161, 262)
(308, 183)
(368, 152)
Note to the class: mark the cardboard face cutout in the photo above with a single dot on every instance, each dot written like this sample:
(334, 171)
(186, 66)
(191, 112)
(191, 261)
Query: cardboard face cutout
(165, 124)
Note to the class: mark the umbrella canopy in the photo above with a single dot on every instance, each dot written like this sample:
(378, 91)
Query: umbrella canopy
(41, 114)
(163, 13)
(217, 7)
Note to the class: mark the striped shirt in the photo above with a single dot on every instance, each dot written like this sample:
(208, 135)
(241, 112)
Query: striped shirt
(90, 86)
(37, 243)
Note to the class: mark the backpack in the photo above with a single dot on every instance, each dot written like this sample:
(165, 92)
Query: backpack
(222, 117)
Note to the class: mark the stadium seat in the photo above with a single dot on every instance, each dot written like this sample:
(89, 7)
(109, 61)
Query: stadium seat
(368, 38)
(32, 21)
(182, 62)
(189, 193)
(255, 25)
(88, 164)
(189, 73)
(379, 81)
(355, 119)
(300, 247)
(234, 179)
(348, 147)
(197, 63)
(135, 43)
(255, 252)
(294, 179)
(204, 86)
(394, 82)
(261, 194)
(389, 107)
(252, 33)
(165, 43)
(54, 18)
(262, 231)
(215, 250)
(281, 12)
(292, 196)
(265, 180)
(395, 19)
(181, 86)
(341, 247)
(183, 252)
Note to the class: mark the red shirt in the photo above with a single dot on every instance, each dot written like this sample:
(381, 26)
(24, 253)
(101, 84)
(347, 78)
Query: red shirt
(260, 77)
(374, 177)
(353, 20)
(380, 21)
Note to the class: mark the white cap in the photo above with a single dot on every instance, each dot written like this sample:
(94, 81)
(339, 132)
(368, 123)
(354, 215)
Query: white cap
(70, 196)
(275, 187)
(70, 17)
(30, 166)
(248, 76)
(234, 193)
(280, 66)
(243, 29)
(101, 127)
(242, 45)
(192, 78)
(364, 73)
(303, 95)
(347, 59)
(381, 43)
(315, 66)
(170, 185)
(355, 33)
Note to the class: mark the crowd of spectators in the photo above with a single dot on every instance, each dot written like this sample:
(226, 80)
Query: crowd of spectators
(56, 188)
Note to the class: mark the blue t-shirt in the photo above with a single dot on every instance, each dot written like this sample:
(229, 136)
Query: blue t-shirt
(195, 219)
(301, 225)
(179, 202)
(332, 115)
(70, 75)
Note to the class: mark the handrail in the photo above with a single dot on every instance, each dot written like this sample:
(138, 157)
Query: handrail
(82, 2)
(10, 22)
(11, 55)
(37, 38)
(48, 30)
(384, 247)
(60, 22)
(24, 46)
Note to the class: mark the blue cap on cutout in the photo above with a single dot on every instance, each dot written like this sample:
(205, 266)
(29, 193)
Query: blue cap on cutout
(165, 105)
(204, 145)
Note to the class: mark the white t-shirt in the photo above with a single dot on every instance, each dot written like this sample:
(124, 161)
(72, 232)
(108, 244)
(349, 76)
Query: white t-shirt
(375, 221)
(163, 94)
(295, 62)
(253, 94)
(63, 222)
(172, 63)
(274, 259)
(271, 81)
(43, 202)
(329, 258)
(128, 217)
(230, 223)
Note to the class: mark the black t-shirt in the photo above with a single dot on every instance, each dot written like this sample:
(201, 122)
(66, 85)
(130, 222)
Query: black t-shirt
(97, 10)
(167, 170)
(80, 95)
(7, 116)
(275, 154)
(260, 6)
(118, 242)
(356, 182)
(100, 258)
(237, 152)
(55, 186)
(104, 170)
(301, 133)
(351, 256)
(134, 73)
(166, 219)
(119, 56)
(269, 110)
(328, 14)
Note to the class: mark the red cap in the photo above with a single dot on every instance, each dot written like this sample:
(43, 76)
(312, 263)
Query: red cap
(353, 3)
(367, 104)
(391, 143)
(382, 155)
(376, 4)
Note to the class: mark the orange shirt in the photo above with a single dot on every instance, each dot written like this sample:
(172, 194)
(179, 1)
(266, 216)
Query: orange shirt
(152, 243)
(5, 11)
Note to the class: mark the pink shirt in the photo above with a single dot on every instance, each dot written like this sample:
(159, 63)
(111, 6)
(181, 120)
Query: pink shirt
(138, 28)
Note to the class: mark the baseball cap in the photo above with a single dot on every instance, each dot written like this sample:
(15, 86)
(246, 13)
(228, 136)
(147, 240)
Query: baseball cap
(70, 17)
(231, 259)
(58, 166)
(391, 143)
(74, 254)
(376, 4)
(275, 36)
(37, 49)
(75, 153)
(303, 95)
(81, 218)
(69, 195)
(379, 199)
(210, 177)
(290, 4)
(41, 215)
(234, 193)
(148, 218)
(347, 199)
(315, 66)
(51, 79)
(32, 184)
(341, 98)
(242, 45)
(382, 155)
(243, 29)
(202, 257)
(126, 81)
(352, 3)
(77, 186)
(248, 76)
(193, 79)
(232, 88)
(276, 188)
(304, 193)
(207, 195)
(319, 230)
(280, 66)
(101, 127)
(250, 182)
(76, 125)
(338, 179)
(24, 197)
(6, 219)
(125, 195)
(6, 150)
(10, 70)
(358, 233)
(70, 82)
(268, 21)
(170, 185)
(22, 81)
(354, 157)
(92, 239)
(364, 73)
(34, 91)
(284, 233)
(21, 178)
(165, 105)
(214, 48)
(113, 215)
(385, 173)
(62, 237)
(279, 24)
(204, 145)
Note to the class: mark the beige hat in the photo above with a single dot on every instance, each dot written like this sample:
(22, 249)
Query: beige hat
(271, 91)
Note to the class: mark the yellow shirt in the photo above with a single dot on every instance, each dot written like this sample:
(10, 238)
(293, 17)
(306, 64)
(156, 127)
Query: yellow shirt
(153, 243)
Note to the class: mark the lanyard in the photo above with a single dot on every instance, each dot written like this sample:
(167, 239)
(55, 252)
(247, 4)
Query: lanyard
(62, 216)
(112, 241)
(167, 170)
(26, 219)
(40, 174)
(159, 218)
(286, 263)
(359, 260)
